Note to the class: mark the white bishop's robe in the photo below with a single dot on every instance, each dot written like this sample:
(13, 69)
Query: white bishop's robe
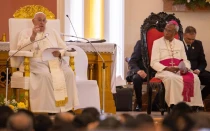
(43, 94)
(173, 83)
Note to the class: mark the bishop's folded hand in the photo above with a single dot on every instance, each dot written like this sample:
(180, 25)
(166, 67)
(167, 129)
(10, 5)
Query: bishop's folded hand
(172, 69)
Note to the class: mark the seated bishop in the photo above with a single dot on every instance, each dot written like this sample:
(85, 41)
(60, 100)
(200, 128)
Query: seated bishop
(181, 84)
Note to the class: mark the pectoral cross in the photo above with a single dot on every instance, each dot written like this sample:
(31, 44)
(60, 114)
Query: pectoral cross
(172, 63)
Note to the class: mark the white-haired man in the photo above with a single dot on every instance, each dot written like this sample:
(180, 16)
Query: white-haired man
(167, 52)
(52, 82)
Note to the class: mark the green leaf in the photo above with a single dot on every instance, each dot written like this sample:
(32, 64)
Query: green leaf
(21, 97)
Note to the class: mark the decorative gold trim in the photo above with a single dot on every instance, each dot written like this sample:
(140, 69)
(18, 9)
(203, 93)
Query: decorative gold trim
(61, 102)
(26, 66)
(72, 64)
(29, 11)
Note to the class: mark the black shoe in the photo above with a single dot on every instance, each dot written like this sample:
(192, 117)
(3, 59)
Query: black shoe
(138, 109)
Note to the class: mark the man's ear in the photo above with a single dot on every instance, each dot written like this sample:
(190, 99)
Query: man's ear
(33, 21)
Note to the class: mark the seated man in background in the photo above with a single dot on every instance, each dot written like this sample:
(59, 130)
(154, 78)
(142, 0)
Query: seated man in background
(196, 56)
(52, 82)
(180, 85)
(137, 73)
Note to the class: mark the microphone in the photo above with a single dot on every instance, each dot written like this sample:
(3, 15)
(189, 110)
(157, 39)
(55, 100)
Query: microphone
(103, 68)
(72, 26)
(62, 34)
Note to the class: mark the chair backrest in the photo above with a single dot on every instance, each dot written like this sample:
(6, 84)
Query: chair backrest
(151, 30)
(16, 25)
(81, 63)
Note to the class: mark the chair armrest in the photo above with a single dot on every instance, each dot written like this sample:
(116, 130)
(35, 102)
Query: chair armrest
(21, 53)
(70, 53)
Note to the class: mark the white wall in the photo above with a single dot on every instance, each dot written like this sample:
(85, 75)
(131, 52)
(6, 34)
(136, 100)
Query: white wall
(137, 10)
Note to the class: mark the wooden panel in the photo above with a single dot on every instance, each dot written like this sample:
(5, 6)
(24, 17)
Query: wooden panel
(3, 59)
(96, 63)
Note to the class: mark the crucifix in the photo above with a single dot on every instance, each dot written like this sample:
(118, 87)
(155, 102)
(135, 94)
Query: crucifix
(172, 63)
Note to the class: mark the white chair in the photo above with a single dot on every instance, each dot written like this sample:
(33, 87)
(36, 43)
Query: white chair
(88, 90)
(18, 78)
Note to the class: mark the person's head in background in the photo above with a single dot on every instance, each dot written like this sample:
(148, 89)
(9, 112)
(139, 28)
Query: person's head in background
(171, 29)
(93, 112)
(20, 122)
(27, 112)
(85, 122)
(109, 123)
(5, 113)
(64, 117)
(189, 35)
(42, 123)
(145, 122)
(178, 119)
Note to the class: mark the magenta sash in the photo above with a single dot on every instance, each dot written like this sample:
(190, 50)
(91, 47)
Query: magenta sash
(168, 62)
(188, 79)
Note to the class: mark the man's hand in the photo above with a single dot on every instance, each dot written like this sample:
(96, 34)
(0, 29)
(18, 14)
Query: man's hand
(172, 69)
(56, 54)
(35, 30)
(142, 74)
(197, 71)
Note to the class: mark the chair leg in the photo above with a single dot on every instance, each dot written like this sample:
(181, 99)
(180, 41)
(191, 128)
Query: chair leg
(149, 91)
(162, 99)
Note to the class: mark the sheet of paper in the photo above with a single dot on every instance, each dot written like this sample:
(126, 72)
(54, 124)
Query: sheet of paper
(182, 67)
(47, 53)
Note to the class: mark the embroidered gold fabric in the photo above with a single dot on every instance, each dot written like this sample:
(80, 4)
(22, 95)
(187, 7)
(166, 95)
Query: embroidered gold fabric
(29, 11)
(61, 102)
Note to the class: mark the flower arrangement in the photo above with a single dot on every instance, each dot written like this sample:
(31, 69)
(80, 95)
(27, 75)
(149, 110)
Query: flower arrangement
(193, 4)
(12, 103)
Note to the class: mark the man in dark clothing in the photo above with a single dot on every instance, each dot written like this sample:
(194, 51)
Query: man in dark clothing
(137, 73)
(196, 56)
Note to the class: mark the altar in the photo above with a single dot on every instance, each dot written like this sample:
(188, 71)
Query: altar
(107, 51)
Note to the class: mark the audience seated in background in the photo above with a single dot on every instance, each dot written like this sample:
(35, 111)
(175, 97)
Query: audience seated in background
(196, 56)
(178, 119)
(52, 82)
(180, 84)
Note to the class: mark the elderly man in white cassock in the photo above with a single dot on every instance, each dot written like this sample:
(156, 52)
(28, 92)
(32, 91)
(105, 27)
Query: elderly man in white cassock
(170, 61)
(52, 82)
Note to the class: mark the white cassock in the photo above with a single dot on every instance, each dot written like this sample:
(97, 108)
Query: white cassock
(165, 53)
(52, 83)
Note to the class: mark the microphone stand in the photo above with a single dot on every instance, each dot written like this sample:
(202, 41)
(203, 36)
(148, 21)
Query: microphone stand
(7, 64)
(103, 71)
(72, 26)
